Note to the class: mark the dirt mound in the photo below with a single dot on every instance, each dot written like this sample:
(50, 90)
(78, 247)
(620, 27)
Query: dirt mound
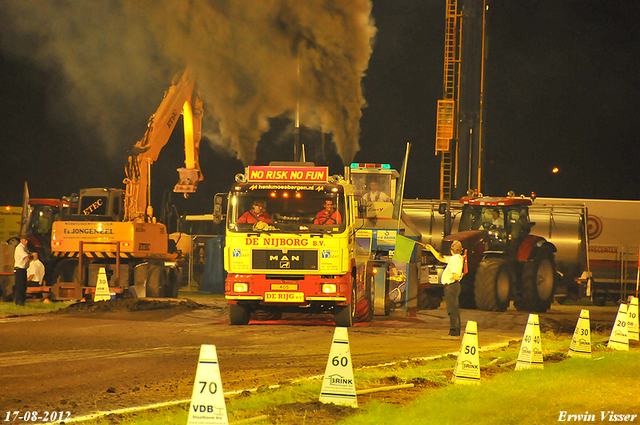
(131, 304)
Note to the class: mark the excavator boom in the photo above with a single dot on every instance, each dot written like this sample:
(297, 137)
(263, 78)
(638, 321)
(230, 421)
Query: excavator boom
(181, 98)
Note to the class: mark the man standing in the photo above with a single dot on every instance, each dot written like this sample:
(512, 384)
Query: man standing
(20, 264)
(328, 215)
(451, 280)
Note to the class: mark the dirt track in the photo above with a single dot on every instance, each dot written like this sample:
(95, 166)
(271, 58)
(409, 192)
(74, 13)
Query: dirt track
(86, 360)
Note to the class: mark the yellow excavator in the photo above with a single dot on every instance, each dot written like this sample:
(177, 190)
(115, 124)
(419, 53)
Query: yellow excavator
(115, 229)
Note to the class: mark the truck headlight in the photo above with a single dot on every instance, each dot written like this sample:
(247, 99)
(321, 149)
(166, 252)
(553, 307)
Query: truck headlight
(329, 288)
(240, 287)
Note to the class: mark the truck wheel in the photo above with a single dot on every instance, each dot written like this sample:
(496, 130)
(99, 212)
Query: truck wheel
(238, 314)
(173, 283)
(364, 307)
(493, 284)
(156, 281)
(537, 283)
(268, 315)
(344, 316)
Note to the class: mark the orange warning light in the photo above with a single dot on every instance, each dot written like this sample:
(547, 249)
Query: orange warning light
(555, 170)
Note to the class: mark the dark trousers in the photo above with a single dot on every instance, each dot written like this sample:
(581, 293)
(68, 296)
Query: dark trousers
(20, 286)
(451, 294)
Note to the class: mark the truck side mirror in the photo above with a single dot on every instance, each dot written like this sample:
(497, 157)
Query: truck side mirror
(217, 208)
(442, 208)
(362, 208)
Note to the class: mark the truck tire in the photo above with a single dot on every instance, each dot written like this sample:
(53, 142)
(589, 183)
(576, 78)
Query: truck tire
(344, 316)
(364, 307)
(239, 314)
(537, 283)
(156, 281)
(493, 285)
(264, 316)
(173, 282)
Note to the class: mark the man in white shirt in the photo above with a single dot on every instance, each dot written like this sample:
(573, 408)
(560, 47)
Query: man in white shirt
(35, 272)
(498, 221)
(451, 280)
(374, 194)
(20, 265)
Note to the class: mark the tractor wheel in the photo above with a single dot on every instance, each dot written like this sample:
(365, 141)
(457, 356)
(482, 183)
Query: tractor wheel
(467, 298)
(239, 314)
(493, 285)
(537, 283)
(344, 316)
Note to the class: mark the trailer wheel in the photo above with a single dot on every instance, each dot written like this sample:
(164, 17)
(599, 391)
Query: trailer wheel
(493, 285)
(344, 316)
(430, 299)
(239, 314)
(537, 283)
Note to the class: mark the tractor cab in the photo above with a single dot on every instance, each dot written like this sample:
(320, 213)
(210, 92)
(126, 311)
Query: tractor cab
(502, 219)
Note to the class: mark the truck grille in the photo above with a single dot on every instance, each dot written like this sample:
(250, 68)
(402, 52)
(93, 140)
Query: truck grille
(273, 259)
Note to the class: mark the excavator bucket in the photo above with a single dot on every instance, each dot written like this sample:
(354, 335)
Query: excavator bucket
(189, 178)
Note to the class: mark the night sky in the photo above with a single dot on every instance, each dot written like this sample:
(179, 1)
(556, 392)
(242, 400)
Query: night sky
(561, 90)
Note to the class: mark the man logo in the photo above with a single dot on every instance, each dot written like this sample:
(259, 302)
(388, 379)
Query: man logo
(236, 253)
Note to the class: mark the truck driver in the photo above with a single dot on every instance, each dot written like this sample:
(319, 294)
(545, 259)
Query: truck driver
(328, 215)
(256, 214)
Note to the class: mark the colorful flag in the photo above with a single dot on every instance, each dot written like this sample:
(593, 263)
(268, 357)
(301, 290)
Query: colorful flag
(404, 249)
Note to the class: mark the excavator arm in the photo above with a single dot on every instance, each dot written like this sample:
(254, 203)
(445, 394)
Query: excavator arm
(181, 98)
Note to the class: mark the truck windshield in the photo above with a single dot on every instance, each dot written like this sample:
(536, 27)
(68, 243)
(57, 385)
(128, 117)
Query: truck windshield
(481, 218)
(291, 211)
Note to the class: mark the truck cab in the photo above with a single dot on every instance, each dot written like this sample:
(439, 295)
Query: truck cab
(290, 243)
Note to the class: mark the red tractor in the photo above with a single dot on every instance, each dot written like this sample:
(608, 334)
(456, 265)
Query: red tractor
(505, 262)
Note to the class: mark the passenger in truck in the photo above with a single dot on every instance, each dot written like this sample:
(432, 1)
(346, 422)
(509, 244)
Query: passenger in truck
(256, 214)
(328, 215)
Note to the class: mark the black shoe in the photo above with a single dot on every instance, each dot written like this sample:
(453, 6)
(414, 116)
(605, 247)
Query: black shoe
(453, 337)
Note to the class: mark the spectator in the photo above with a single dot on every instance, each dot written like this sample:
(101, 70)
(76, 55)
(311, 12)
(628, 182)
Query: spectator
(35, 272)
(20, 265)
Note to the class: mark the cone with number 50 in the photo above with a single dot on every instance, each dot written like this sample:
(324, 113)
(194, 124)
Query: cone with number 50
(467, 369)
